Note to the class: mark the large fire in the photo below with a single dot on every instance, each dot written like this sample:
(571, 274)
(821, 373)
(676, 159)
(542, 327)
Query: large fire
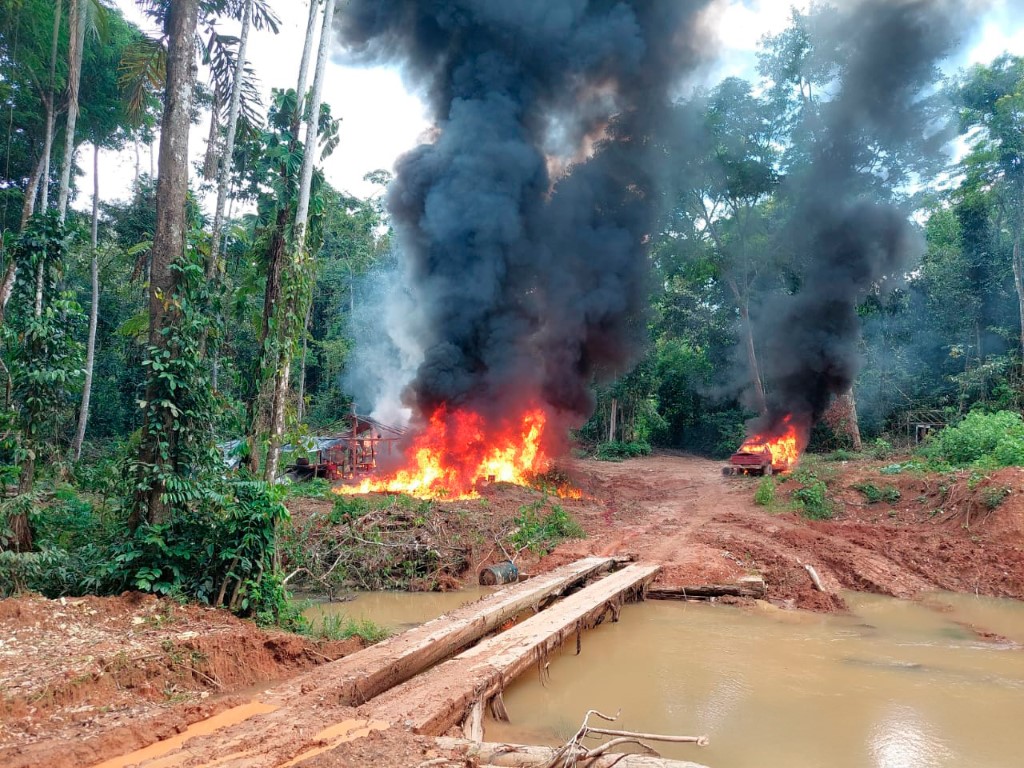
(785, 448)
(458, 452)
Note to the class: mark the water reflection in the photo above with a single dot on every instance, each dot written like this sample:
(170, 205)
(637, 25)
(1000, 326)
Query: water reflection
(902, 738)
(894, 684)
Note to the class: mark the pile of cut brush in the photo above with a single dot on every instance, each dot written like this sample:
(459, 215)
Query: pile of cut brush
(378, 542)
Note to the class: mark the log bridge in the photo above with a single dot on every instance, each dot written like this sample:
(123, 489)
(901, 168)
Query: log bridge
(486, 649)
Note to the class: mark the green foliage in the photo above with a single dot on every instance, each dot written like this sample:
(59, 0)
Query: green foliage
(994, 496)
(349, 508)
(619, 451)
(541, 533)
(315, 488)
(981, 439)
(841, 455)
(42, 354)
(338, 626)
(764, 496)
(812, 499)
(881, 449)
(874, 494)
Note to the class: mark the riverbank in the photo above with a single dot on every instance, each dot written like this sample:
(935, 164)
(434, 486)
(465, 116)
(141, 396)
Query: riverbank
(89, 678)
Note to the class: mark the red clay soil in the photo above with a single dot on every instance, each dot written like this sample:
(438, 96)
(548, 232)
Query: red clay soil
(87, 679)
(83, 679)
(941, 533)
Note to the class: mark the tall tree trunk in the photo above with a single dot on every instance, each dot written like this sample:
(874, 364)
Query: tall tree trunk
(842, 417)
(307, 52)
(227, 158)
(51, 114)
(168, 239)
(297, 262)
(1018, 278)
(28, 208)
(302, 364)
(90, 350)
(760, 402)
(76, 48)
(613, 420)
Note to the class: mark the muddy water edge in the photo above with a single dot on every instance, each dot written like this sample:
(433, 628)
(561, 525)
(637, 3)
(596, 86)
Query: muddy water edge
(894, 684)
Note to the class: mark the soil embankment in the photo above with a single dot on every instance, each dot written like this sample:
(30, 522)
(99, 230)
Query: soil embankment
(86, 679)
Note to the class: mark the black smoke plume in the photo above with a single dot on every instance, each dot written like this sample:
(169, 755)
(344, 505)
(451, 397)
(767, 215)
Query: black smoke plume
(523, 222)
(852, 238)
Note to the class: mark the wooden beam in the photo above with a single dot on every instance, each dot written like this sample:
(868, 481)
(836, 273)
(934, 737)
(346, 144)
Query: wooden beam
(433, 702)
(752, 586)
(523, 756)
(358, 678)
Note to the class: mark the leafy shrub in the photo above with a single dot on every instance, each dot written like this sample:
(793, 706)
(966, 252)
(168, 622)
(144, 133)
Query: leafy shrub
(982, 439)
(994, 496)
(765, 493)
(618, 451)
(349, 508)
(874, 494)
(881, 449)
(541, 534)
(812, 500)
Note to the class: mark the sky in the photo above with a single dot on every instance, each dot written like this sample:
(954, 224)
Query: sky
(381, 119)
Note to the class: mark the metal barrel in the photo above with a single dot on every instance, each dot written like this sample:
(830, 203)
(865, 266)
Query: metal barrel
(499, 573)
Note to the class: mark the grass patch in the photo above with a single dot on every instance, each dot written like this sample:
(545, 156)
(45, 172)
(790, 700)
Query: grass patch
(812, 500)
(316, 488)
(541, 533)
(339, 626)
(842, 455)
(874, 494)
(764, 496)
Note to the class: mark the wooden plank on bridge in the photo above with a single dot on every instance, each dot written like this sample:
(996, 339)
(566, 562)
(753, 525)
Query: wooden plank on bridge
(433, 702)
(356, 679)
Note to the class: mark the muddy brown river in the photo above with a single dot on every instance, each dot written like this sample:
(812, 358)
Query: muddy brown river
(895, 684)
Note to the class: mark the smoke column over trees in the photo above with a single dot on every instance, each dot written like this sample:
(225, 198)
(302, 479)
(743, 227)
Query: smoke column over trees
(844, 228)
(522, 225)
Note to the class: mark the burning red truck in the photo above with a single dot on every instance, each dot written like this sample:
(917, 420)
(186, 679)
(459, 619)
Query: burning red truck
(773, 452)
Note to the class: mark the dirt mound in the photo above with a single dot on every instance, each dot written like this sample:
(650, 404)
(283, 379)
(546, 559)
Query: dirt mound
(95, 674)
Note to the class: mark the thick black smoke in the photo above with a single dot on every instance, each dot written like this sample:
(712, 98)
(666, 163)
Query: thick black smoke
(851, 237)
(523, 224)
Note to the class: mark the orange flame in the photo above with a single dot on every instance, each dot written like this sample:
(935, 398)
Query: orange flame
(458, 451)
(785, 448)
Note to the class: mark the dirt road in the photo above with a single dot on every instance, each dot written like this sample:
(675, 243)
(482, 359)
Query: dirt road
(92, 678)
(941, 533)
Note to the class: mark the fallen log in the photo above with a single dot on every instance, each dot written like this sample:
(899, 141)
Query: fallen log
(356, 679)
(753, 587)
(523, 756)
(442, 697)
